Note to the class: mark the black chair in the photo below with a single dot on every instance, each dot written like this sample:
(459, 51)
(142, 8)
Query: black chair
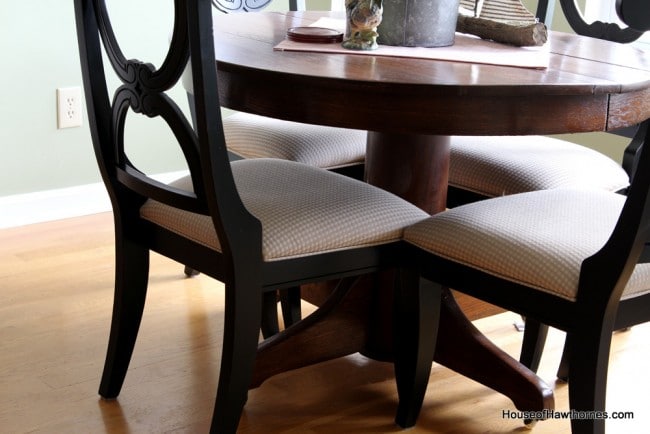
(638, 20)
(245, 223)
(487, 167)
(587, 276)
(500, 251)
(535, 333)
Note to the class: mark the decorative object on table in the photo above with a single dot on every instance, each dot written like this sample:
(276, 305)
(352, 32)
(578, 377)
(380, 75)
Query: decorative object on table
(419, 23)
(319, 35)
(362, 19)
(506, 21)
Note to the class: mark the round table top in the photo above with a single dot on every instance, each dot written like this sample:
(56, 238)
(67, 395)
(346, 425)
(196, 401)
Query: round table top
(589, 85)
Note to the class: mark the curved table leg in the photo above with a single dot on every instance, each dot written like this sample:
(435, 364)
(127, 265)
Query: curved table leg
(336, 329)
(463, 348)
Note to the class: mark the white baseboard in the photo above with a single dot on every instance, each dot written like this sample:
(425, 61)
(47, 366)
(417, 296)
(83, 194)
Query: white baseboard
(43, 206)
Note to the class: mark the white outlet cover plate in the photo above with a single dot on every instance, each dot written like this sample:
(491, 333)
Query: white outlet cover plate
(68, 103)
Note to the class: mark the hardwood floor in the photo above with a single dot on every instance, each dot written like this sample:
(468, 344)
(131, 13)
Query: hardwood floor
(55, 306)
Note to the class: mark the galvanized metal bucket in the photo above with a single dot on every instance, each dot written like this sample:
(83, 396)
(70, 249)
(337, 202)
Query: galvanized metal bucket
(418, 23)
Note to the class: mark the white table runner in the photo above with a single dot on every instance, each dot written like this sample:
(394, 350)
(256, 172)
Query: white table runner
(466, 48)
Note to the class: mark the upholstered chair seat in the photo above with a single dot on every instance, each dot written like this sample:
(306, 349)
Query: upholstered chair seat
(253, 136)
(302, 210)
(501, 165)
(538, 239)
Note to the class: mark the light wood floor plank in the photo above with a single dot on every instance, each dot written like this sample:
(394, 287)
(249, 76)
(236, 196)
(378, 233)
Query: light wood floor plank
(55, 307)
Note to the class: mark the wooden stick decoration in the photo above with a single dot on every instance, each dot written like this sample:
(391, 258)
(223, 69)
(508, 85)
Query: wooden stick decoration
(534, 34)
(506, 21)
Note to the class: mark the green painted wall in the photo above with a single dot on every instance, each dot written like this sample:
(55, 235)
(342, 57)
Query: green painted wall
(40, 41)
(39, 47)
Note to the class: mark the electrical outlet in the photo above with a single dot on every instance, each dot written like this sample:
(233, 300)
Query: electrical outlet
(68, 104)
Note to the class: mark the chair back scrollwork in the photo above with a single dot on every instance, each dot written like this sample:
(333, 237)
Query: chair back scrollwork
(598, 29)
(634, 13)
(143, 91)
(229, 6)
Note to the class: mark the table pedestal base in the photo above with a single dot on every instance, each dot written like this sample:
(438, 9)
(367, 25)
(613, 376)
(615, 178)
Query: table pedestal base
(343, 325)
(414, 167)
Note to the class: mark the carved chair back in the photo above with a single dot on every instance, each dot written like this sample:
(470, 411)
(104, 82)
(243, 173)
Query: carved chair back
(143, 90)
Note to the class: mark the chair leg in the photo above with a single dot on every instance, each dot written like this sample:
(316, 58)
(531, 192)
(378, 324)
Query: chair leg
(416, 330)
(270, 324)
(243, 311)
(290, 302)
(131, 275)
(291, 313)
(532, 346)
(589, 358)
(563, 369)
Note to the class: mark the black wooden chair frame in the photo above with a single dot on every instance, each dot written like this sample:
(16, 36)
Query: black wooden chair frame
(535, 332)
(240, 265)
(589, 320)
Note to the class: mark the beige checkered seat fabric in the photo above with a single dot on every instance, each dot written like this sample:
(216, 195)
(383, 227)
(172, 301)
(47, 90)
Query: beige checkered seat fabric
(303, 210)
(501, 165)
(538, 239)
(252, 136)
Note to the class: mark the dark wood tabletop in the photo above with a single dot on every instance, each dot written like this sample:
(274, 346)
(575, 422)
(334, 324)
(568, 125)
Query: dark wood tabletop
(410, 107)
(590, 85)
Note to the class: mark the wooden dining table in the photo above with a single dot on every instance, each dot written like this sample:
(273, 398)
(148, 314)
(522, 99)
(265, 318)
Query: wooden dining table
(410, 108)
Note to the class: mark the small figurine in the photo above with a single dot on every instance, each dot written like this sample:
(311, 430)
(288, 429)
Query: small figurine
(363, 17)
